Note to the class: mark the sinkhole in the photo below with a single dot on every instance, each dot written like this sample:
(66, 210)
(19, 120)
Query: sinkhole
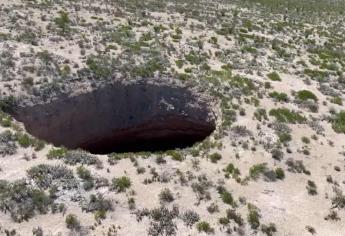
(119, 117)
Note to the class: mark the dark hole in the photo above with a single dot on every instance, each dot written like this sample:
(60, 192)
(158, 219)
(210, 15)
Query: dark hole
(121, 118)
(151, 145)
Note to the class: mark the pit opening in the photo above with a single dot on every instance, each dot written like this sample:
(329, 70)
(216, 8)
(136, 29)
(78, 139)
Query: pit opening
(121, 118)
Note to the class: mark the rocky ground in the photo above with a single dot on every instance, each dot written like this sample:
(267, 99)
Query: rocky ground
(274, 74)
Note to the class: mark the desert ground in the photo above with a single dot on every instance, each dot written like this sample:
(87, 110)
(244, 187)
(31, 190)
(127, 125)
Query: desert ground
(162, 117)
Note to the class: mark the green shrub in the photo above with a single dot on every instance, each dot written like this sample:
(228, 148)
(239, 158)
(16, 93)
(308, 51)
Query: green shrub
(190, 217)
(338, 201)
(279, 173)
(274, 76)
(215, 157)
(248, 48)
(99, 66)
(72, 222)
(305, 140)
(7, 143)
(260, 114)
(5, 120)
(166, 196)
(285, 115)
(121, 184)
(230, 169)
(337, 100)
(338, 124)
(8, 103)
(96, 203)
(188, 70)
(267, 85)
(46, 176)
(100, 214)
(24, 140)
(80, 157)
(227, 197)
(177, 156)
(63, 22)
(148, 69)
(183, 76)
(38, 145)
(22, 200)
(162, 220)
(277, 154)
(306, 95)
(232, 215)
(73, 157)
(296, 166)
(194, 58)
(159, 28)
(284, 137)
(83, 173)
(176, 37)
(244, 84)
(213, 208)
(205, 67)
(253, 217)
(223, 221)
(311, 187)
(120, 156)
(56, 153)
(88, 184)
(204, 226)
(256, 170)
(280, 97)
(179, 63)
(269, 230)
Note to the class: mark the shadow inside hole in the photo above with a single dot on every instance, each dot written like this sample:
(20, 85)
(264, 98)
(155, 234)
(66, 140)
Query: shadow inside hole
(147, 145)
(121, 118)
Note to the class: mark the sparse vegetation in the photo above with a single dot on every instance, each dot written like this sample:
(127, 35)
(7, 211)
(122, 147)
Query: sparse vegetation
(285, 115)
(7, 143)
(339, 122)
(215, 157)
(166, 196)
(120, 184)
(305, 95)
(48, 176)
(204, 226)
(253, 217)
(274, 76)
(311, 187)
(23, 201)
(270, 72)
(280, 97)
(72, 222)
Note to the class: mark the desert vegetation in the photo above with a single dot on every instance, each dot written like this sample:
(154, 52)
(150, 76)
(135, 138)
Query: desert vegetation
(272, 74)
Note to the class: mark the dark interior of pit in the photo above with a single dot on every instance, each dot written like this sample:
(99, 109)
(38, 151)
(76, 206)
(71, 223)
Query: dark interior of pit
(121, 118)
(149, 145)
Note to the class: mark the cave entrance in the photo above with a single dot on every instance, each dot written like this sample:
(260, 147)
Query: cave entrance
(121, 118)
